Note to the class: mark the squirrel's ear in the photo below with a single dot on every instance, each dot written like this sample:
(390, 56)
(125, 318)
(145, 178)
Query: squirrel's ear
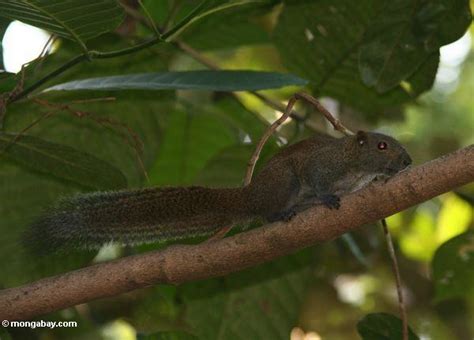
(361, 138)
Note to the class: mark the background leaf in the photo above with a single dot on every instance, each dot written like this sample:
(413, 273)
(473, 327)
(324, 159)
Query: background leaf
(78, 20)
(396, 43)
(191, 139)
(62, 161)
(331, 33)
(3, 27)
(235, 26)
(441, 22)
(259, 303)
(190, 80)
(229, 166)
(210, 8)
(382, 326)
(452, 267)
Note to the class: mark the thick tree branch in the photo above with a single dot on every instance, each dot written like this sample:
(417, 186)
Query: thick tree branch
(181, 263)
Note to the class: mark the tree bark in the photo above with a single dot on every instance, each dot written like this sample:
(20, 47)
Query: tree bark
(182, 263)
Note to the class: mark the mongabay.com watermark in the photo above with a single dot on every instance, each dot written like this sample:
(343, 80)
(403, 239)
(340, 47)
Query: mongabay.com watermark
(39, 324)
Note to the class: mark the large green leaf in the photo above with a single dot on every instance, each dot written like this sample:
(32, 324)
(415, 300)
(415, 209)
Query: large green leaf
(78, 20)
(186, 80)
(259, 303)
(62, 161)
(452, 267)
(320, 42)
(441, 22)
(404, 35)
(382, 326)
(231, 27)
(190, 140)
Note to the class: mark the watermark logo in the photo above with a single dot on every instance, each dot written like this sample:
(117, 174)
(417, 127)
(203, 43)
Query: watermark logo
(39, 324)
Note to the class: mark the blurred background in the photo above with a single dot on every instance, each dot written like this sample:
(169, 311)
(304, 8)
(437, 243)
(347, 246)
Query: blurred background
(194, 137)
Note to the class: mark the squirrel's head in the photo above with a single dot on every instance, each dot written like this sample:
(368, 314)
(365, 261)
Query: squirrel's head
(380, 153)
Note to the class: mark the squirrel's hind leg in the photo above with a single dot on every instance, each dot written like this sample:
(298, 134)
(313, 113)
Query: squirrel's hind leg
(329, 200)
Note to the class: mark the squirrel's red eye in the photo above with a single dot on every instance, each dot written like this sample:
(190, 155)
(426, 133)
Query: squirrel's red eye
(382, 146)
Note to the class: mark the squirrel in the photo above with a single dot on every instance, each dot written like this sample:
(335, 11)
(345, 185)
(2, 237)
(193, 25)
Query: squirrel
(317, 170)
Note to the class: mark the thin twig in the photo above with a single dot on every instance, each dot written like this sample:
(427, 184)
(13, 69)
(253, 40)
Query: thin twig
(336, 123)
(28, 127)
(135, 14)
(49, 114)
(149, 18)
(396, 271)
(175, 6)
(44, 52)
(271, 129)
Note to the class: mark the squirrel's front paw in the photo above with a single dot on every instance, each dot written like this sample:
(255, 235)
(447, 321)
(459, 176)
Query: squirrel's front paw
(331, 201)
(288, 215)
(285, 216)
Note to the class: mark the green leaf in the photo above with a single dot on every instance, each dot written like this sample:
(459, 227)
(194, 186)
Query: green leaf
(62, 161)
(190, 140)
(4, 23)
(208, 8)
(258, 303)
(452, 267)
(382, 326)
(7, 82)
(424, 77)
(228, 167)
(404, 35)
(158, 10)
(78, 20)
(186, 80)
(246, 121)
(234, 26)
(441, 22)
(320, 41)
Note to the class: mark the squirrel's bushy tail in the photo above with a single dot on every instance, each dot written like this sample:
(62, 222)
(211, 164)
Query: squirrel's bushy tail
(134, 217)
